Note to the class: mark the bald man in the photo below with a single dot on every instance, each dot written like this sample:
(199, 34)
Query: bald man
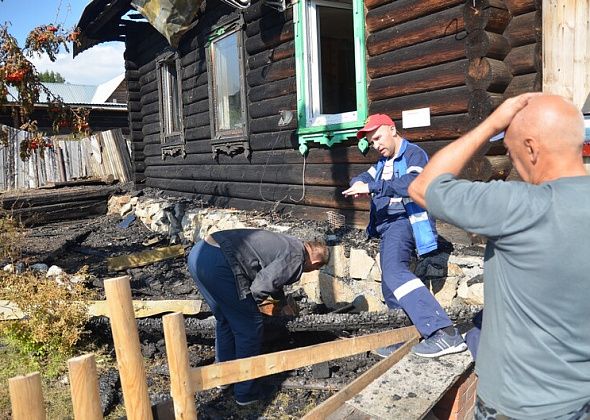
(533, 359)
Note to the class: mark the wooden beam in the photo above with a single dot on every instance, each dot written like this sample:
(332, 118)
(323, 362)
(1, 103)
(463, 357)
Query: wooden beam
(84, 388)
(178, 364)
(26, 397)
(207, 377)
(127, 349)
(335, 401)
(144, 258)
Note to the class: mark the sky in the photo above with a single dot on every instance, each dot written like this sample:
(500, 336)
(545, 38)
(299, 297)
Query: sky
(92, 67)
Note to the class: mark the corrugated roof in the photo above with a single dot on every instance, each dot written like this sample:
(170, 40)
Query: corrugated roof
(106, 89)
(79, 94)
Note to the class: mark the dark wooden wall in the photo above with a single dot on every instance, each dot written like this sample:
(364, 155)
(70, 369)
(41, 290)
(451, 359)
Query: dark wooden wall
(419, 53)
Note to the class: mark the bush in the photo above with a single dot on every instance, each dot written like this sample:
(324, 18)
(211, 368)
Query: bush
(55, 313)
(10, 239)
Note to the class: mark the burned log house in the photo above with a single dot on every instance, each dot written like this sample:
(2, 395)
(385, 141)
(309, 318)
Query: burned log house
(226, 116)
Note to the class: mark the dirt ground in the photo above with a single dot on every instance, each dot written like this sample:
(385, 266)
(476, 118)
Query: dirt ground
(73, 245)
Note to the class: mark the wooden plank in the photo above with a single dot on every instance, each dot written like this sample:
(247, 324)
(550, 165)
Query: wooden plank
(141, 308)
(566, 49)
(144, 258)
(145, 308)
(412, 387)
(326, 408)
(207, 377)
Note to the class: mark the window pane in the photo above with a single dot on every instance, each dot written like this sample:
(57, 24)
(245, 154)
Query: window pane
(226, 64)
(174, 99)
(337, 72)
(170, 98)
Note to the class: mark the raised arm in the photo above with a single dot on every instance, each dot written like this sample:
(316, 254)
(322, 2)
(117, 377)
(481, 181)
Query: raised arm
(453, 158)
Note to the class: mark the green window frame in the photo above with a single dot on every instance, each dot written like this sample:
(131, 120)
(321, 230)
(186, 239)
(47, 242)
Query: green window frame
(314, 126)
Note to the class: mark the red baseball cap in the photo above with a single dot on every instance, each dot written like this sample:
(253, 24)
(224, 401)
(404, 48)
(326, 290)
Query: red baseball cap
(374, 122)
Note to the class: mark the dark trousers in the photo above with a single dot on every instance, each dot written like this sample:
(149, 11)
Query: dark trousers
(239, 328)
(401, 288)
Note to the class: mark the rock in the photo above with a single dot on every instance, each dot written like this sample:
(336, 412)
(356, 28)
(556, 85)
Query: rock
(278, 228)
(108, 385)
(125, 209)
(39, 268)
(453, 270)
(444, 290)
(360, 264)
(9, 268)
(338, 264)
(462, 289)
(116, 202)
(54, 271)
(475, 294)
(475, 280)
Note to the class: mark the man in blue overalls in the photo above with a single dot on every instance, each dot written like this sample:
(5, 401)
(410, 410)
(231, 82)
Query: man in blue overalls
(404, 228)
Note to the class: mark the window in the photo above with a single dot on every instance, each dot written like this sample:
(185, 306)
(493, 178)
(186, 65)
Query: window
(331, 69)
(170, 89)
(227, 91)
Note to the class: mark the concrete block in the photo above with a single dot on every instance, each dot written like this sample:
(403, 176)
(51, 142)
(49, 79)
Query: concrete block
(375, 273)
(360, 264)
(475, 294)
(310, 283)
(334, 291)
(338, 264)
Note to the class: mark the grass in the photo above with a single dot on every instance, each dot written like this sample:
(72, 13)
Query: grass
(56, 392)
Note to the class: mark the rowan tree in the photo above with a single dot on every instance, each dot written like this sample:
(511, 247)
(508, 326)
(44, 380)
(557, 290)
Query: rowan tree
(18, 72)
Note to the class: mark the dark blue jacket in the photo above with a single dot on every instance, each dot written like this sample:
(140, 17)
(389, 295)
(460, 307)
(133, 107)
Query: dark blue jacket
(390, 199)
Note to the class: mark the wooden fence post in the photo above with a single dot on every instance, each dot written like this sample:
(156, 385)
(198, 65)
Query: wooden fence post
(84, 388)
(26, 397)
(181, 389)
(127, 349)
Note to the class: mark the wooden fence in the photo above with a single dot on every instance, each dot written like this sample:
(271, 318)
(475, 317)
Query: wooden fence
(27, 398)
(100, 155)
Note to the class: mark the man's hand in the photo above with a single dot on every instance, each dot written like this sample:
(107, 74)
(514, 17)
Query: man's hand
(359, 188)
(504, 114)
(273, 307)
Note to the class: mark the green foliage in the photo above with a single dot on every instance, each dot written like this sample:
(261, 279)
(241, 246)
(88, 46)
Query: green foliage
(51, 77)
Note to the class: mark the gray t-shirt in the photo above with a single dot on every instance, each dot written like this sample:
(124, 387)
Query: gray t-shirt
(533, 359)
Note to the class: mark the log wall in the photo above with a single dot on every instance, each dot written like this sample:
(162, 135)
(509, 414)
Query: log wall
(417, 56)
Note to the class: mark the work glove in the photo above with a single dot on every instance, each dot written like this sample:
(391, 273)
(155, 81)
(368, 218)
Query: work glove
(276, 307)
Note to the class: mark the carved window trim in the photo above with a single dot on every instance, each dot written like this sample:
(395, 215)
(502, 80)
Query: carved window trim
(170, 104)
(232, 141)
